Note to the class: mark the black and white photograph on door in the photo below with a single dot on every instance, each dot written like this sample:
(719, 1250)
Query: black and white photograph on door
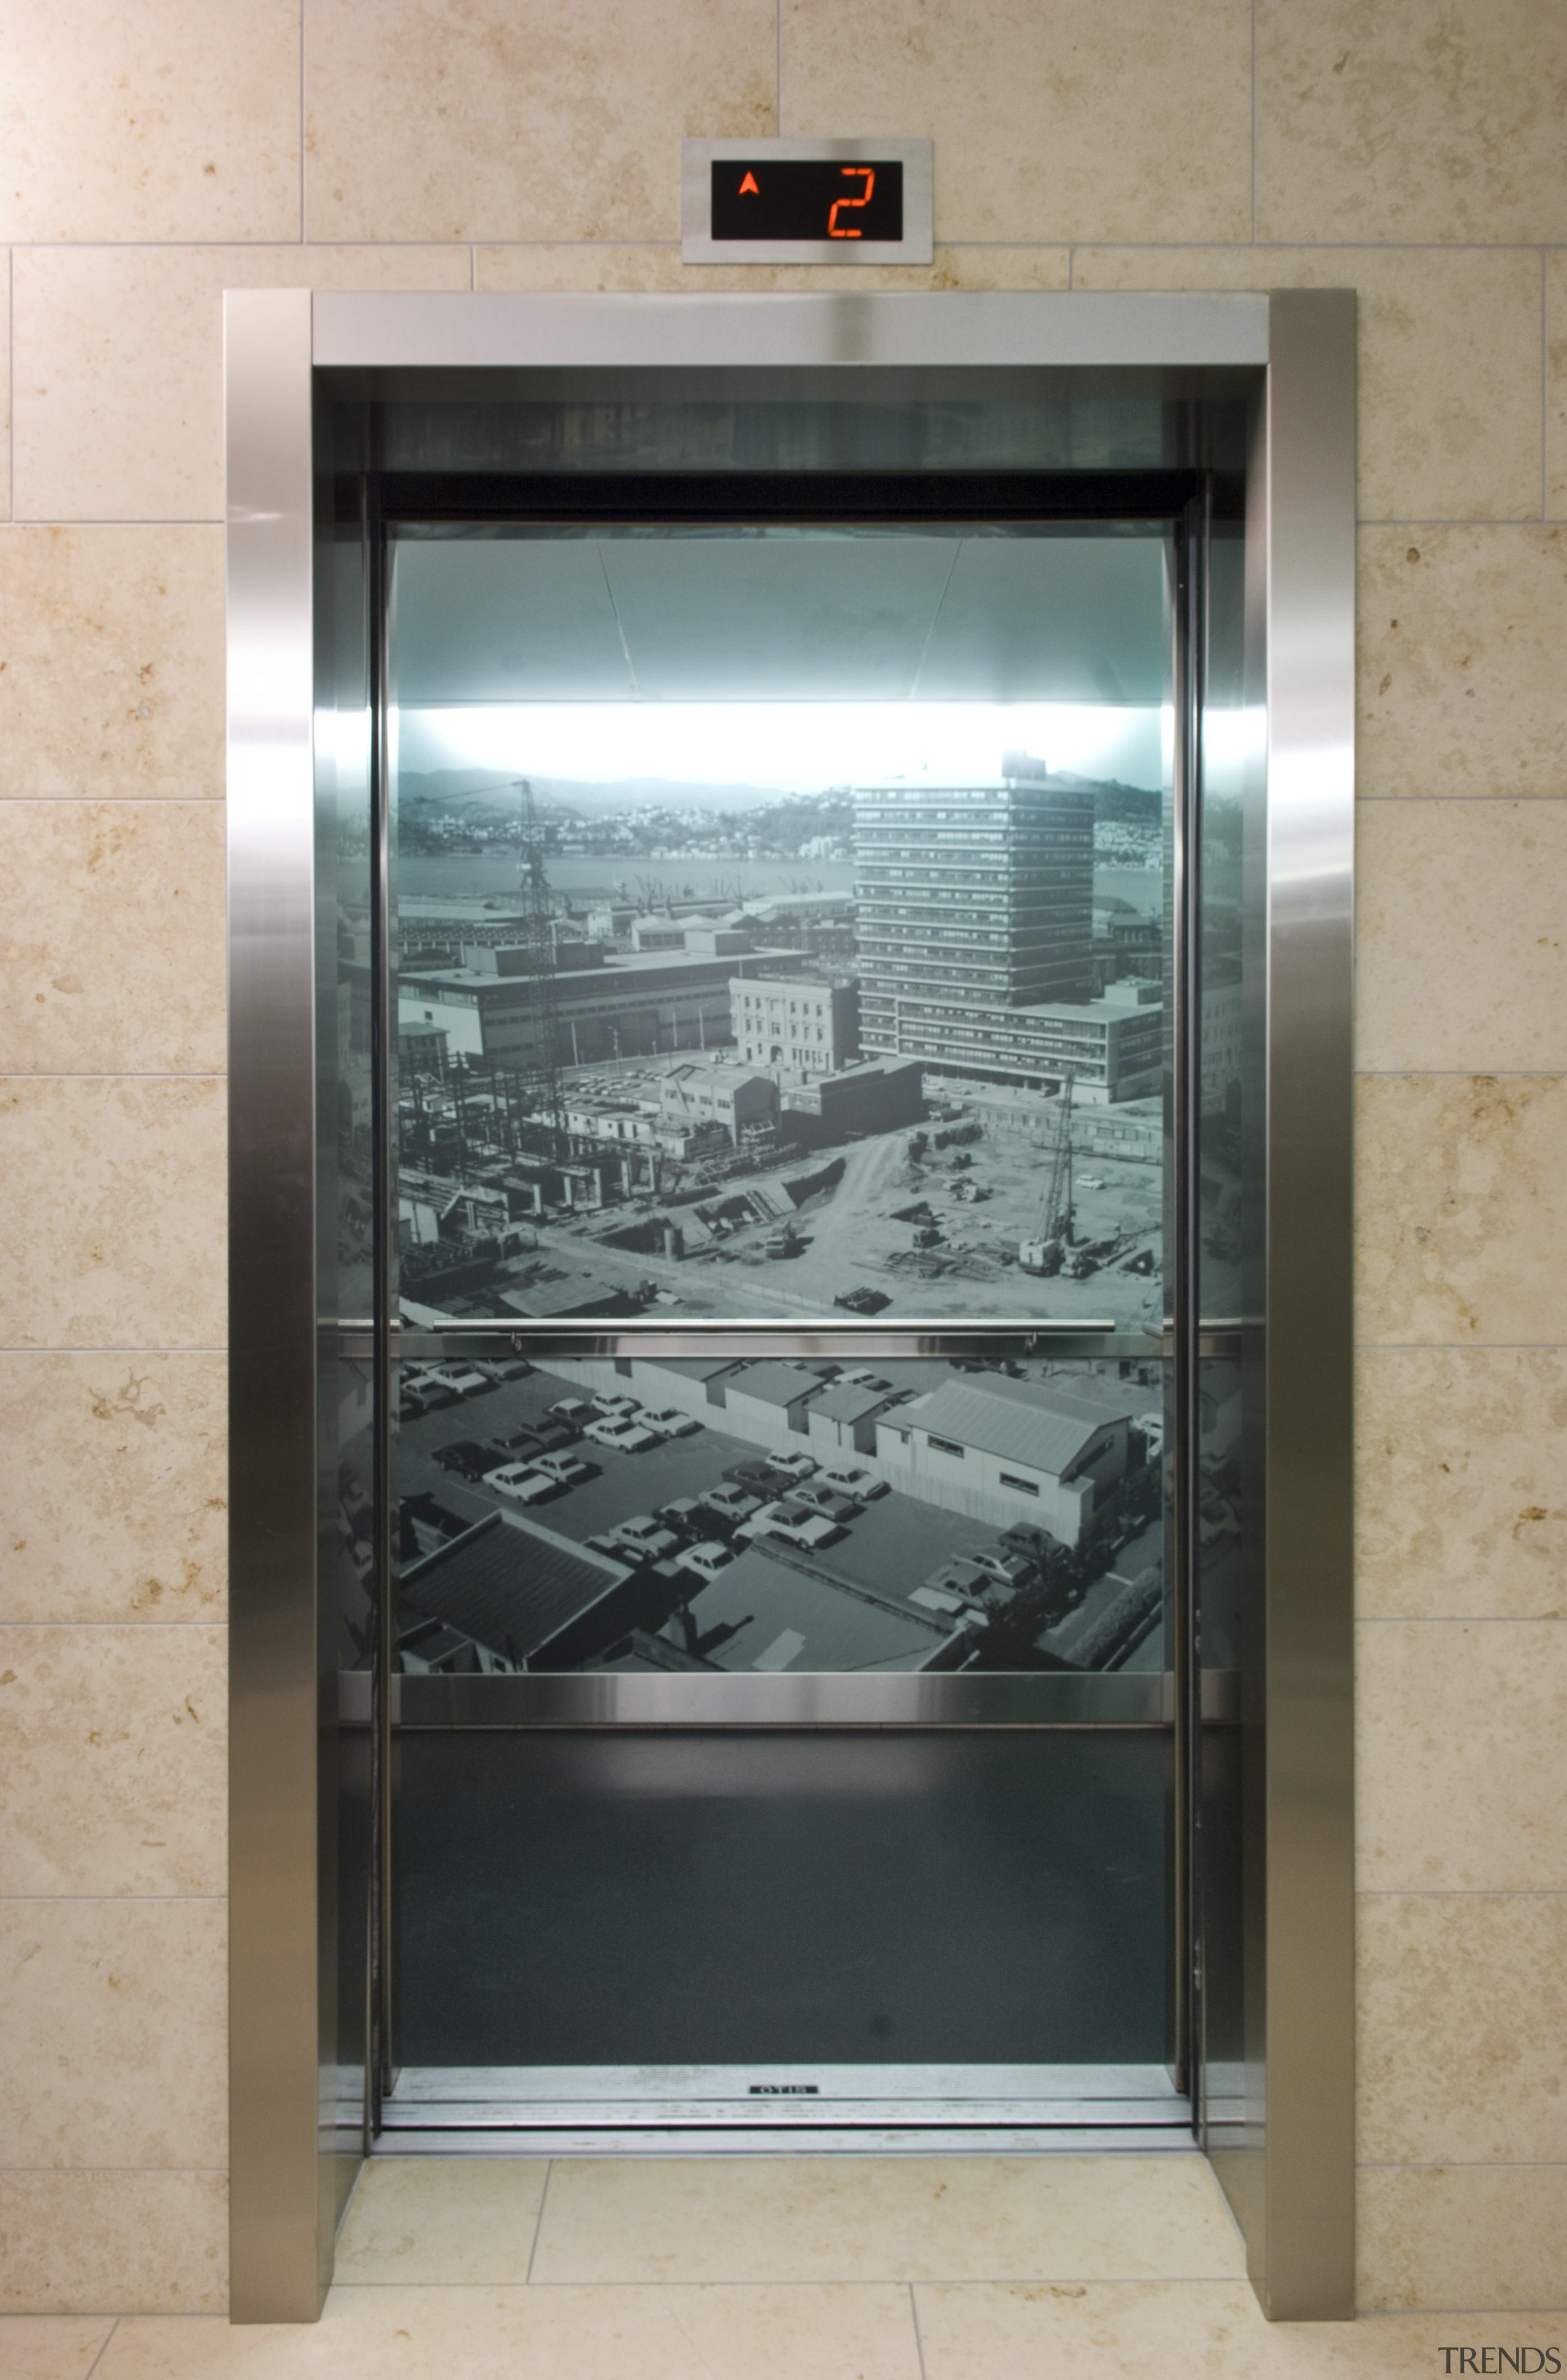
(781, 927)
(702, 1514)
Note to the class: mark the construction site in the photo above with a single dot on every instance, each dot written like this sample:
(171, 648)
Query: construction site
(680, 1179)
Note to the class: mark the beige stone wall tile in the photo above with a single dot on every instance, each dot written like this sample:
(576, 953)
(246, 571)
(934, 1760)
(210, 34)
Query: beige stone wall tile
(567, 265)
(52, 2346)
(1156, 2330)
(470, 119)
(816, 2218)
(1457, 1726)
(558, 2334)
(115, 1488)
(151, 119)
(5, 384)
(116, 1196)
(1070, 123)
(1461, 1483)
(1461, 936)
(114, 2030)
(118, 366)
(115, 1745)
(1556, 385)
(1461, 1230)
(146, 2242)
(1461, 633)
(116, 963)
(112, 641)
(1470, 2237)
(1449, 361)
(1460, 2031)
(1406, 122)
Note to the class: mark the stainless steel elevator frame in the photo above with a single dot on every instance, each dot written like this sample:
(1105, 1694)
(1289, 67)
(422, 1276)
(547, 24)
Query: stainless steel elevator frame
(1285, 2149)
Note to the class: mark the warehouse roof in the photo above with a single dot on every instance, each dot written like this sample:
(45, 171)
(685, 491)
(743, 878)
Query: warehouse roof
(509, 1584)
(1021, 1421)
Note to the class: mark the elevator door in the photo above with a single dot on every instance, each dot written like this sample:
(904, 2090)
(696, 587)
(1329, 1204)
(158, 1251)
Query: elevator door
(774, 1607)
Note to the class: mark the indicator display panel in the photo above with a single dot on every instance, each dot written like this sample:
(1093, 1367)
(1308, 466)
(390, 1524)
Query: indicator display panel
(806, 199)
(786, 201)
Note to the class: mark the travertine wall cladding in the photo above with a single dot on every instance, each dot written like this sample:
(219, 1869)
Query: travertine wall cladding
(158, 150)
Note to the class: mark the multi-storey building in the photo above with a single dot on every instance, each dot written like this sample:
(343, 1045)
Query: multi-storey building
(976, 936)
(800, 1024)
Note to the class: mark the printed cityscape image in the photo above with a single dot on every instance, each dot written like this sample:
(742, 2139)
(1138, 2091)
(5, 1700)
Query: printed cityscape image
(789, 1010)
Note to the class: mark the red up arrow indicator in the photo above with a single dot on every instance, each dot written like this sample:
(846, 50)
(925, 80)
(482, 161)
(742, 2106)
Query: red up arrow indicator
(748, 184)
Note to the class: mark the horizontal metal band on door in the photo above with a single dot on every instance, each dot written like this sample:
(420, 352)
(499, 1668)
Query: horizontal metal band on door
(997, 1698)
(1089, 1343)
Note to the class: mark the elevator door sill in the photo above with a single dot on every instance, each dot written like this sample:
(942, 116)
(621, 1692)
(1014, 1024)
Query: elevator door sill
(869, 2110)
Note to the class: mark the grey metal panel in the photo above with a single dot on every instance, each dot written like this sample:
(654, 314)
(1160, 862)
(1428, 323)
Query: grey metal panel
(1087, 1342)
(1121, 1699)
(1056, 1698)
(281, 1721)
(1080, 327)
(1299, 2211)
(697, 247)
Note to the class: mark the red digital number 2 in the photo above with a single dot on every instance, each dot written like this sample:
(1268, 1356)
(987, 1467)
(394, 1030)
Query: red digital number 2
(851, 231)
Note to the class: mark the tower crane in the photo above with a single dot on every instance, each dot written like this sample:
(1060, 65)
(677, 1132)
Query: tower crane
(1046, 1252)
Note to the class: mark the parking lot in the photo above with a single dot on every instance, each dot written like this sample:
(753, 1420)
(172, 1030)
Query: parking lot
(894, 1544)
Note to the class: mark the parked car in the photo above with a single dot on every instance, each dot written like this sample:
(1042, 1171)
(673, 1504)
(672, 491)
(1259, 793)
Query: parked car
(792, 1467)
(852, 1479)
(731, 1504)
(863, 1301)
(706, 1559)
(624, 1437)
(462, 1379)
(426, 1395)
(1008, 1568)
(521, 1482)
(565, 1470)
(965, 1580)
(615, 1405)
(1033, 1543)
(470, 1457)
(684, 1515)
(759, 1478)
(669, 1421)
(862, 1377)
(643, 1536)
(785, 1520)
(816, 1496)
(572, 1410)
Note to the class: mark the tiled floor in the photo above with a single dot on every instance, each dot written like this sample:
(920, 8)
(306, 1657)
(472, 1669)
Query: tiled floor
(802, 2268)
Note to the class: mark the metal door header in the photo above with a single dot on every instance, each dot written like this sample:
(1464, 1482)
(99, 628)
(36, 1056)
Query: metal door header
(495, 330)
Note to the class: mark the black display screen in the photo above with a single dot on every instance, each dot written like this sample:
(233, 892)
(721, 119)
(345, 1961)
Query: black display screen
(799, 198)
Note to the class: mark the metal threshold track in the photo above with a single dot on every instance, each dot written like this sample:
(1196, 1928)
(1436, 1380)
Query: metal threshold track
(878, 2110)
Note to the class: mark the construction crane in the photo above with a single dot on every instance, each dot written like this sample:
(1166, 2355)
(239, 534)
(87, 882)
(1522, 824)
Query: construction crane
(1047, 1252)
(537, 1077)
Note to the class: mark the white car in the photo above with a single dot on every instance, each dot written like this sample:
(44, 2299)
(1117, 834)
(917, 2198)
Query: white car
(626, 1437)
(706, 1559)
(861, 1378)
(792, 1466)
(670, 1422)
(461, 1378)
(853, 1479)
(731, 1504)
(523, 1482)
(565, 1470)
(644, 1536)
(615, 1406)
(807, 1530)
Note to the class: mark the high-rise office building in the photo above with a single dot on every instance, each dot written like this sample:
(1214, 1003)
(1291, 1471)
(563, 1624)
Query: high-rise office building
(974, 901)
